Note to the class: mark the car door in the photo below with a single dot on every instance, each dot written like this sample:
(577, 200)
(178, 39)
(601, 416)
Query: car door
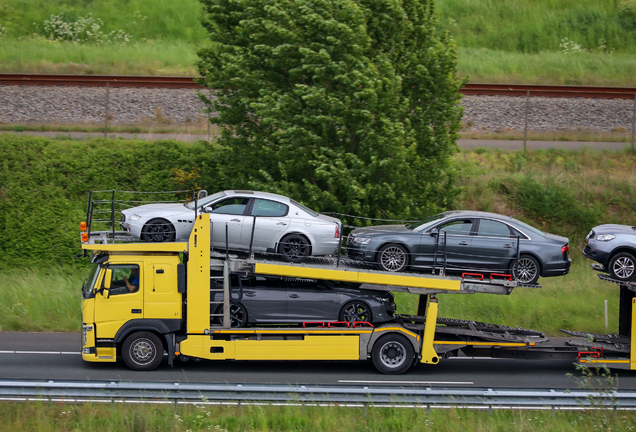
(228, 212)
(454, 243)
(264, 297)
(310, 301)
(272, 221)
(493, 247)
(122, 305)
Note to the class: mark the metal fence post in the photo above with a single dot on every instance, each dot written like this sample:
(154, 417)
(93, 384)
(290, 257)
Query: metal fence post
(525, 123)
(106, 117)
(633, 122)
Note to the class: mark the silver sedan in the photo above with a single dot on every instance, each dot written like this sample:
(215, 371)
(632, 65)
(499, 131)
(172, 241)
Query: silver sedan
(280, 224)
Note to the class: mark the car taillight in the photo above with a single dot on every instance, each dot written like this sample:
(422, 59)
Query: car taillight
(565, 249)
(337, 231)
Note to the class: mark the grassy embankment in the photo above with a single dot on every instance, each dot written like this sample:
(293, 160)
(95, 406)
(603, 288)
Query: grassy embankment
(133, 417)
(565, 193)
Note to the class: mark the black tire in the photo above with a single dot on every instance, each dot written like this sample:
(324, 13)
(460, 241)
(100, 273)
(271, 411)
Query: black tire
(393, 258)
(622, 266)
(393, 354)
(526, 270)
(158, 231)
(142, 351)
(355, 311)
(238, 315)
(294, 248)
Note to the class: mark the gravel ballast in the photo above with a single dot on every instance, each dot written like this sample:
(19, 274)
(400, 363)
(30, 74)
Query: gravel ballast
(41, 104)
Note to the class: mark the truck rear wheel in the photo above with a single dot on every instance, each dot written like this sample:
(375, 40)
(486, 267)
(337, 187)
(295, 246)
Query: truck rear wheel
(392, 354)
(142, 351)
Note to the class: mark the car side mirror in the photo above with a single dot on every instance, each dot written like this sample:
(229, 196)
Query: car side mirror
(107, 278)
(434, 232)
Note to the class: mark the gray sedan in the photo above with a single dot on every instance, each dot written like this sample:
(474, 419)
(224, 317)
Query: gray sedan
(464, 241)
(278, 300)
(269, 222)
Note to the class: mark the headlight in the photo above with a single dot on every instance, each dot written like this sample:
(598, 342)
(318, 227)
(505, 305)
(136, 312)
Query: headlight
(361, 240)
(135, 217)
(605, 237)
(383, 299)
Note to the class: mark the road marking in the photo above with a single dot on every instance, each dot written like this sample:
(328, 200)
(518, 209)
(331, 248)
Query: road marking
(406, 382)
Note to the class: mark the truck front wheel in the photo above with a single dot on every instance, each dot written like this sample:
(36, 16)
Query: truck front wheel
(142, 351)
(392, 354)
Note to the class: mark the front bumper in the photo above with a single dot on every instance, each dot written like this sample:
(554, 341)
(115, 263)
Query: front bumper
(90, 352)
(598, 251)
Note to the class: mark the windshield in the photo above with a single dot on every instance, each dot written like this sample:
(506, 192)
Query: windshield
(206, 200)
(307, 209)
(423, 224)
(87, 288)
(530, 228)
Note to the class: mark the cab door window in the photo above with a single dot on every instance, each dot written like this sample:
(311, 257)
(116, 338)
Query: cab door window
(125, 280)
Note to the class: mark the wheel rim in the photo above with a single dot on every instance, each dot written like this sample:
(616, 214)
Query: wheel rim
(159, 232)
(393, 258)
(294, 248)
(143, 351)
(393, 354)
(623, 268)
(525, 270)
(237, 316)
(356, 312)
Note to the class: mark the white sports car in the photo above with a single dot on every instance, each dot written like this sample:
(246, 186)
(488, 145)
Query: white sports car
(282, 225)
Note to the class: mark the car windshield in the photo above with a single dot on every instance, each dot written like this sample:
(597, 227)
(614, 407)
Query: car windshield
(423, 224)
(204, 201)
(530, 228)
(307, 209)
(87, 288)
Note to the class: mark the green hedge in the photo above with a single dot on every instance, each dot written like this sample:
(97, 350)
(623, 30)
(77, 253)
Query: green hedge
(44, 186)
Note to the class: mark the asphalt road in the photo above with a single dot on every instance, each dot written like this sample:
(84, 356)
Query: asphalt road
(462, 143)
(56, 356)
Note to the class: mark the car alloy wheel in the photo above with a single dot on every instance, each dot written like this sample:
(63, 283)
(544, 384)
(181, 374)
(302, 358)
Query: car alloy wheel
(158, 231)
(622, 266)
(355, 312)
(238, 315)
(392, 258)
(526, 270)
(294, 248)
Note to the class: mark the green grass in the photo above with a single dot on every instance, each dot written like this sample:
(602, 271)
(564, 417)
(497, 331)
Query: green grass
(133, 417)
(507, 42)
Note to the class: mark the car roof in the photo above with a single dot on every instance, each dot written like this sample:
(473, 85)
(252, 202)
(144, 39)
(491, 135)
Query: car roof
(257, 194)
(481, 214)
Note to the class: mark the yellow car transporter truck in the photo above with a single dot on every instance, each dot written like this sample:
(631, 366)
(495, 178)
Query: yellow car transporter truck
(145, 300)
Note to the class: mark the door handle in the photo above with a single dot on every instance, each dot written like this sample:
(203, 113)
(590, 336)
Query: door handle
(294, 295)
(135, 311)
(507, 246)
(235, 220)
(250, 294)
(281, 223)
(463, 243)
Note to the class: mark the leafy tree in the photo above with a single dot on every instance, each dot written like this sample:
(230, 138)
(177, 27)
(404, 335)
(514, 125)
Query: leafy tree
(346, 105)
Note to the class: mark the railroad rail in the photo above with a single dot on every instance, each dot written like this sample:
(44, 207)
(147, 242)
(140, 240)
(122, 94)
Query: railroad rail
(189, 82)
(376, 395)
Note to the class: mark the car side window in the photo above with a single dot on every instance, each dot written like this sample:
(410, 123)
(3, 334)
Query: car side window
(232, 206)
(125, 280)
(457, 227)
(263, 207)
(491, 228)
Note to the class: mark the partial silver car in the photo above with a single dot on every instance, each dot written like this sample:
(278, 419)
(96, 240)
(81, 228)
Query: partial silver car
(283, 226)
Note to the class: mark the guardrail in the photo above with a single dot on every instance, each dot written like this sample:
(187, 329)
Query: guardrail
(191, 393)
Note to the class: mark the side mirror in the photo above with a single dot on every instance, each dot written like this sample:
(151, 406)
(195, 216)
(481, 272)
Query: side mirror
(434, 232)
(107, 278)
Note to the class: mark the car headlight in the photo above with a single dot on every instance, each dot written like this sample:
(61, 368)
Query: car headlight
(361, 240)
(383, 298)
(605, 237)
(135, 217)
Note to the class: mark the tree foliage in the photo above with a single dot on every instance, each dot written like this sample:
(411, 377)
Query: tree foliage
(346, 105)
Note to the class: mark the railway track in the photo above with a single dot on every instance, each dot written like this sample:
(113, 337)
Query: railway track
(189, 82)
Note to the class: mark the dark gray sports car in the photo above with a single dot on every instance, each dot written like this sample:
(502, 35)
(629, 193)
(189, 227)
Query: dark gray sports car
(279, 300)
(464, 241)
